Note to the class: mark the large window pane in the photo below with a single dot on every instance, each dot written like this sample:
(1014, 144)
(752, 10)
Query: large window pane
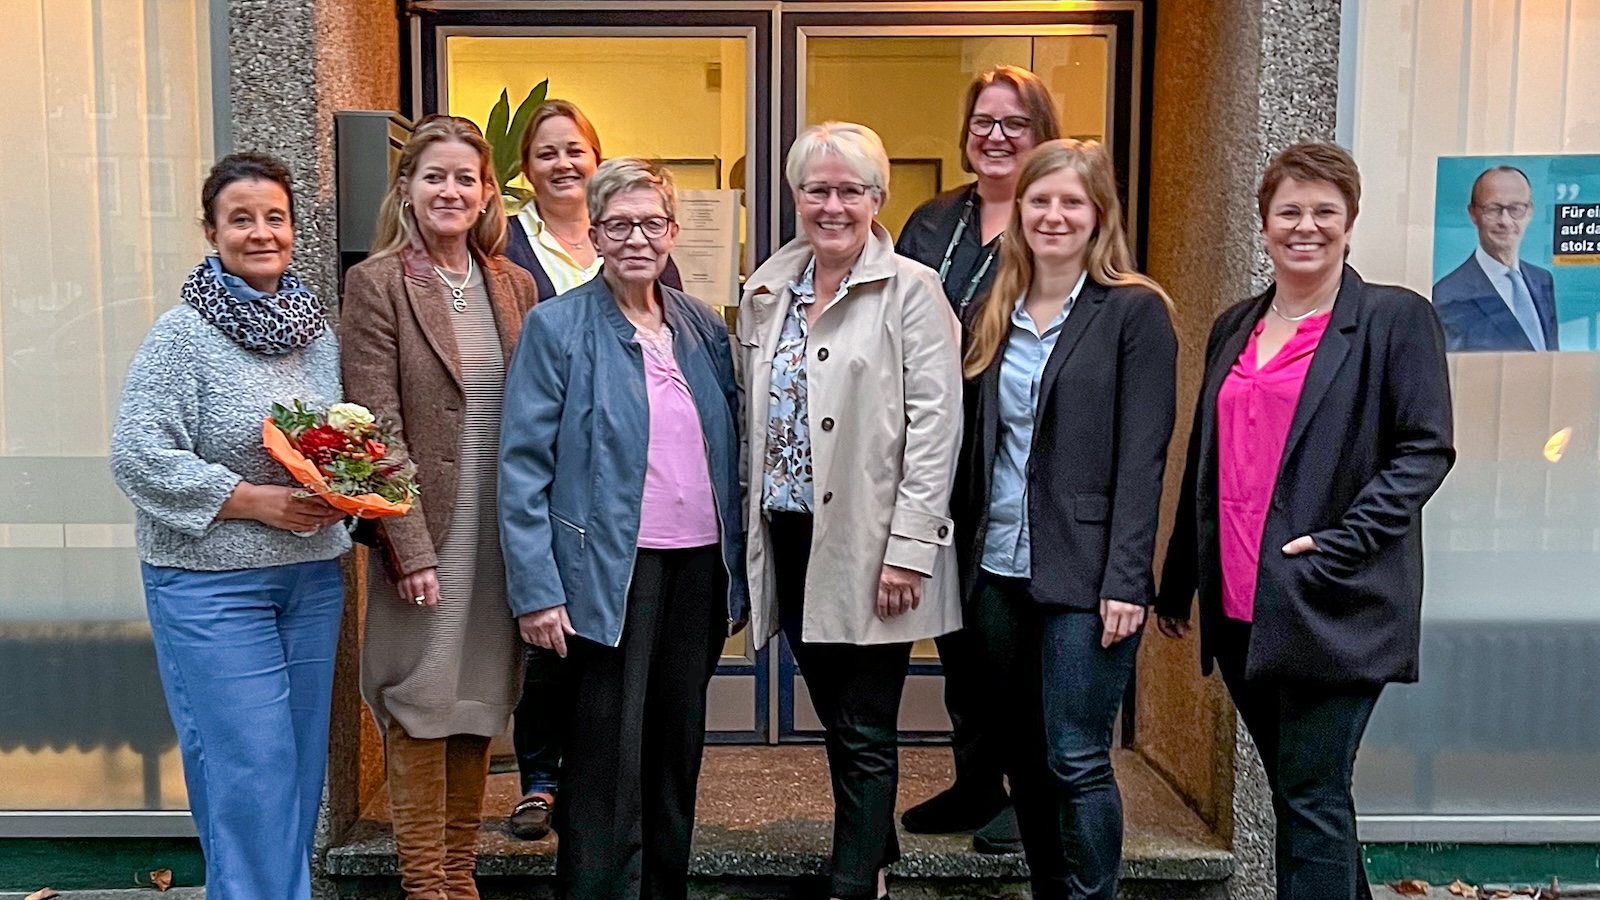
(682, 100)
(108, 134)
(1506, 718)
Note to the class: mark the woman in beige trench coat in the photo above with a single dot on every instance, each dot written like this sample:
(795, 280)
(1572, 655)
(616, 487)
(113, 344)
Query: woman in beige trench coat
(853, 421)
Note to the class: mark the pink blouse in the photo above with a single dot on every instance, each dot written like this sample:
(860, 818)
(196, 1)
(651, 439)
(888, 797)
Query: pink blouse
(678, 509)
(1255, 408)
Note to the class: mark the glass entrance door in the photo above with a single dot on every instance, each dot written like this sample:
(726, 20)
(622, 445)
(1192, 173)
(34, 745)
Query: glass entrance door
(905, 75)
(682, 93)
(721, 92)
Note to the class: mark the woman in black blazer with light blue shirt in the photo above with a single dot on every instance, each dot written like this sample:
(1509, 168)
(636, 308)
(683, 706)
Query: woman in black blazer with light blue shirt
(1071, 361)
(1323, 426)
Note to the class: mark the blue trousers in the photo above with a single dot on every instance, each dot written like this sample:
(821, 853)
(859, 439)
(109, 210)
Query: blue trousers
(1057, 692)
(246, 663)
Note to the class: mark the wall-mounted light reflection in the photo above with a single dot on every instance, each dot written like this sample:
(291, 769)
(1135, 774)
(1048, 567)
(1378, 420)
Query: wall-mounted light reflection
(1557, 444)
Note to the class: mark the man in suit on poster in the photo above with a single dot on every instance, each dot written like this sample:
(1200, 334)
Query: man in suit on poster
(1494, 300)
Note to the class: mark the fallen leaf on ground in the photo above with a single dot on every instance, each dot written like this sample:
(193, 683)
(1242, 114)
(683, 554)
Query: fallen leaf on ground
(1411, 887)
(1462, 889)
(43, 893)
(161, 879)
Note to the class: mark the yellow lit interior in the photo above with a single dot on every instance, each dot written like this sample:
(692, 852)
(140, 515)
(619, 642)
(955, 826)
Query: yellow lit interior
(910, 90)
(94, 779)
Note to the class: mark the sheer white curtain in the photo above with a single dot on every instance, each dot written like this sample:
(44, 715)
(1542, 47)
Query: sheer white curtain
(105, 142)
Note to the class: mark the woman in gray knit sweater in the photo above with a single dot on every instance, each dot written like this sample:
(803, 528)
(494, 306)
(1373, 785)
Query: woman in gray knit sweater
(241, 576)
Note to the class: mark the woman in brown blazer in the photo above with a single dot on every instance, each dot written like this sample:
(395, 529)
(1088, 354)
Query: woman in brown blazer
(428, 327)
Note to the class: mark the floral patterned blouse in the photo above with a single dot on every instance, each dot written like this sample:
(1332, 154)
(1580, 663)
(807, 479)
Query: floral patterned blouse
(787, 485)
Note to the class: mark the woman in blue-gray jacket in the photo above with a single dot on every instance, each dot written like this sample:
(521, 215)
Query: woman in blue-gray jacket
(619, 518)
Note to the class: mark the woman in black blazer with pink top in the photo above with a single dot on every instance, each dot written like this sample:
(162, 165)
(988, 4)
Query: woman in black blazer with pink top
(1323, 426)
(1071, 361)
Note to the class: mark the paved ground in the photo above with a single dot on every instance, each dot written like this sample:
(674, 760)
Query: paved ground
(744, 788)
(190, 893)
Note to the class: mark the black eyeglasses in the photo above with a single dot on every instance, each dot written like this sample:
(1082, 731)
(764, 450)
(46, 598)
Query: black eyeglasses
(1517, 211)
(1010, 126)
(619, 229)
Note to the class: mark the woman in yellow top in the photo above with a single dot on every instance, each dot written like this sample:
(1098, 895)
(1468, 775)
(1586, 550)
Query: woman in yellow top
(550, 235)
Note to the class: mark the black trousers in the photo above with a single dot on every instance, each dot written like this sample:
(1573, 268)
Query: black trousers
(980, 767)
(540, 725)
(638, 730)
(1057, 693)
(856, 691)
(1308, 735)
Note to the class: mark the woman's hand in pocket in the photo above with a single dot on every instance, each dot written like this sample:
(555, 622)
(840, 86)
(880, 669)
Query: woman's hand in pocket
(1301, 544)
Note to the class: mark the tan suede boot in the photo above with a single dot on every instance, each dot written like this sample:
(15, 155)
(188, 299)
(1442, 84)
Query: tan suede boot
(417, 788)
(466, 769)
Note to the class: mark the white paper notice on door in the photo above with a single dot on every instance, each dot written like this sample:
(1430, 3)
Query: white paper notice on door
(707, 252)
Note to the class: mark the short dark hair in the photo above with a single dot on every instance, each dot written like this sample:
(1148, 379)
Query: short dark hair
(247, 166)
(1313, 161)
(1476, 182)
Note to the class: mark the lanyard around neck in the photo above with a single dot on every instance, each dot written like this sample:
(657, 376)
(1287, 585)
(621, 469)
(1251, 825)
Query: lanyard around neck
(950, 250)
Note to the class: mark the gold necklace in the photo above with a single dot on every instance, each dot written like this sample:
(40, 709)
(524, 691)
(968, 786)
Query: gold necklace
(574, 243)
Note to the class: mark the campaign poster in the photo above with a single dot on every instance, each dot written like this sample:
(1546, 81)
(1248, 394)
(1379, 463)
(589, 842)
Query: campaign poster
(1516, 252)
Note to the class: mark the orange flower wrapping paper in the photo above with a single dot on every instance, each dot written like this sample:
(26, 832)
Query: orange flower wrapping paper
(362, 506)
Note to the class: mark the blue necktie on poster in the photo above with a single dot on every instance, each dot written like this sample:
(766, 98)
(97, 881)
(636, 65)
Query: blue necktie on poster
(1522, 308)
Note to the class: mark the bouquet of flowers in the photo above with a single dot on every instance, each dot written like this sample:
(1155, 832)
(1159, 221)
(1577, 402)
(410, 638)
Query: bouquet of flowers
(343, 456)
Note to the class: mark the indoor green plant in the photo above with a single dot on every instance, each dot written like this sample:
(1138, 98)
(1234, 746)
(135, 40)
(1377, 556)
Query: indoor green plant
(504, 134)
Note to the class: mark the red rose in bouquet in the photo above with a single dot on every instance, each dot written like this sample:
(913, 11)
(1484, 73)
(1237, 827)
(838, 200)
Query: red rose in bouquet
(322, 445)
(344, 457)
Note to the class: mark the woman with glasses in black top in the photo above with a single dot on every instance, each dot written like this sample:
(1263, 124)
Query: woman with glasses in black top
(957, 234)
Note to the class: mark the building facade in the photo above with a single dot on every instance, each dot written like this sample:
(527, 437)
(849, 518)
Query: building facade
(125, 105)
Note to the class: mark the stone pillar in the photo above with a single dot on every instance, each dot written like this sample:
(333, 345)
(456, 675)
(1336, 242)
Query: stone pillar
(1235, 81)
(292, 65)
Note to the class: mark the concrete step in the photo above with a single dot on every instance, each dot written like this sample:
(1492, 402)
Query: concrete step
(764, 831)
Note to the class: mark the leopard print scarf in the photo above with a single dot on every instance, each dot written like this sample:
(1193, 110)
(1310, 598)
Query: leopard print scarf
(275, 324)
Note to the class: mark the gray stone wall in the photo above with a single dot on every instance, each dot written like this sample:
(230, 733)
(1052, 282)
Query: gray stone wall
(272, 49)
(292, 65)
(1235, 82)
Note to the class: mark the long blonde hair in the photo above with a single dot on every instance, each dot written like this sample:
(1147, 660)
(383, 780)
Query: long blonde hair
(397, 226)
(1109, 260)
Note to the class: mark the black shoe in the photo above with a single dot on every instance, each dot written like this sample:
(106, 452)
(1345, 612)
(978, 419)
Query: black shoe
(950, 812)
(1000, 835)
(530, 821)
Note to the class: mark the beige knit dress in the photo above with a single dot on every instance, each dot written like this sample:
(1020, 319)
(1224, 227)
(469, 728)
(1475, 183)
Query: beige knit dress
(456, 668)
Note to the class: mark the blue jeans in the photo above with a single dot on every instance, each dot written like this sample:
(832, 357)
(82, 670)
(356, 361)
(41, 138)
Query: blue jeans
(1057, 693)
(246, 663)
